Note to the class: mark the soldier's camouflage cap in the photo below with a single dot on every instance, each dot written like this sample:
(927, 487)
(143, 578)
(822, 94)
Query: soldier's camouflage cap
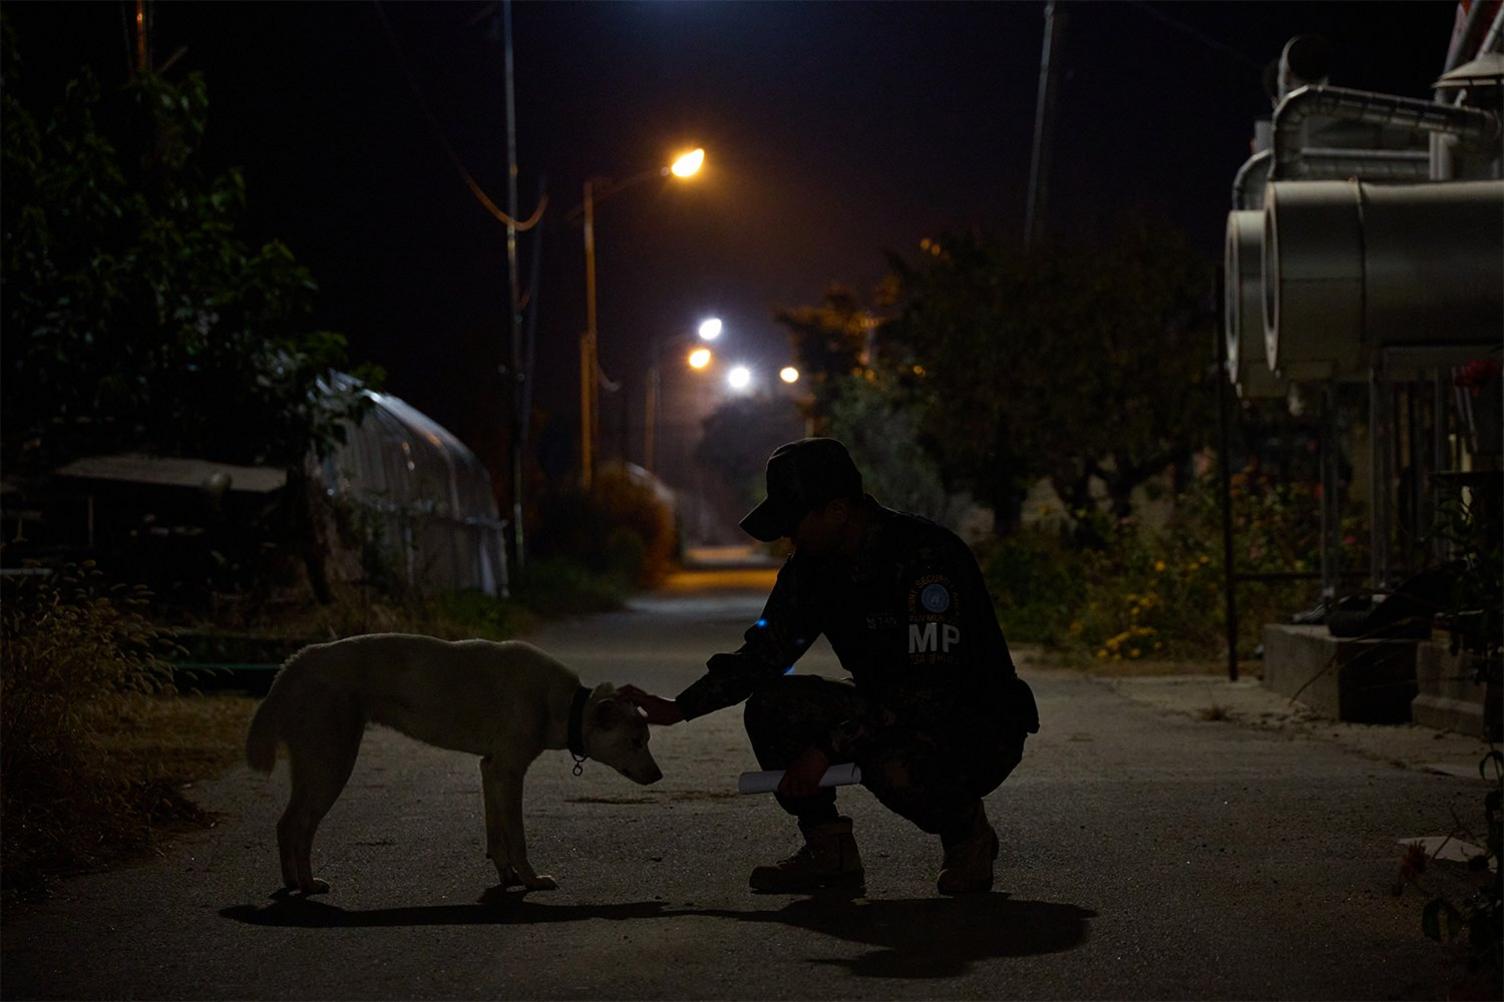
(801, 477)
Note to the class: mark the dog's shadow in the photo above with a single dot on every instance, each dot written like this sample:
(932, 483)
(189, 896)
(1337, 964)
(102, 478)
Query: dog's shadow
(913, 938)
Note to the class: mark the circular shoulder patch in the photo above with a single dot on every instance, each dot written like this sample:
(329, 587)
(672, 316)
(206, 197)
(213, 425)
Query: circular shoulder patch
(934, 597)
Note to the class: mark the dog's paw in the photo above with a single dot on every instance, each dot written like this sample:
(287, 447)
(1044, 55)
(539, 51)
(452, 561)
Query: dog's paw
(542, 882)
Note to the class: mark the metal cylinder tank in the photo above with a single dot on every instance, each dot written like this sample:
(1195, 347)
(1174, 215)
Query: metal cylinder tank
(1350, 267)
(1243, 305)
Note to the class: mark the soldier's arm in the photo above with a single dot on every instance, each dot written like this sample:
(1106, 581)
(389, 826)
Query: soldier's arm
(781, 635)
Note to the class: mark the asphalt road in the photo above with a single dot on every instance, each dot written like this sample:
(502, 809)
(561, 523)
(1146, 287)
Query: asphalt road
(1146, 855)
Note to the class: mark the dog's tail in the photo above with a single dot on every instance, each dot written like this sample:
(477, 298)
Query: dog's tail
(266, 725)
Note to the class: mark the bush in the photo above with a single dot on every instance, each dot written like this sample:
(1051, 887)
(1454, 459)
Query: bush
(556, 587)
(1038, 580)
(1159, 593)
(621, 529)
(76, 657)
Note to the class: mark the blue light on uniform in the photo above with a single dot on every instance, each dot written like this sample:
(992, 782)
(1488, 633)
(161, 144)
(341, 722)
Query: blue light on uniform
(761, 624)
(789, 670)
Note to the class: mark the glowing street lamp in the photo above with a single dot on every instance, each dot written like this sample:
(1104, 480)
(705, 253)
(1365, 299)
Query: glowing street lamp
(788, 374)
(710, 328)
(688, 164)
(739, 378)
(700, 358)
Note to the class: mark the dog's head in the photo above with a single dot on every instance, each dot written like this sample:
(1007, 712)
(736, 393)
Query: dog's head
(615, 733)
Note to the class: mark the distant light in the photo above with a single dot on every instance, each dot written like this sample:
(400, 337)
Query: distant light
(739, 377)
(789, 374)
(710, 329)
(688, 165)
(699, 358)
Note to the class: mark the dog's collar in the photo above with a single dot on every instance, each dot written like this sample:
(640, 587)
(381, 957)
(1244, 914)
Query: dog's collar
(577, 728)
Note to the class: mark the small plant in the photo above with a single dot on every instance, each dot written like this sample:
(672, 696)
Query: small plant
(1467, 911)
(77, 655)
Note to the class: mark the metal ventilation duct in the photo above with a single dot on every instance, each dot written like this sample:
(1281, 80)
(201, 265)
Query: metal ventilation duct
(1350, 267)
(1471, 125)
(1243, 321)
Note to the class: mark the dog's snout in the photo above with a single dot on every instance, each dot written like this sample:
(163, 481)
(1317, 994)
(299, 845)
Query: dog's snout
(647, 777)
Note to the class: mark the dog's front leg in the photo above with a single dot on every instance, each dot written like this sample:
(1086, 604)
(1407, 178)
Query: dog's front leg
(504, 792)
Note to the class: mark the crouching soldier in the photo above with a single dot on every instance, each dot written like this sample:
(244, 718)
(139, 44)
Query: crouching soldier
(934, 713)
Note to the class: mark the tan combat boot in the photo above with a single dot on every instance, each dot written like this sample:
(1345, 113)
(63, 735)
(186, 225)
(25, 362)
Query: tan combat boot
(968, 864)
(828, 860)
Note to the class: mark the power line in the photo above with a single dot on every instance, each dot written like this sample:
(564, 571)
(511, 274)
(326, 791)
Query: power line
(1197, 34)
(438, 131)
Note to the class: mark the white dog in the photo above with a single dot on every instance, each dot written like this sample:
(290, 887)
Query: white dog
(505, 702)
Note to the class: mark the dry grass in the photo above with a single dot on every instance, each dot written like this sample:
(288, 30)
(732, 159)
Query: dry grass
(143, 754)
(95, 744)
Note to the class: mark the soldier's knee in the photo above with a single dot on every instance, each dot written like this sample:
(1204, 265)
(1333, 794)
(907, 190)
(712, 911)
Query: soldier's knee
(774, 704)
(759, 711)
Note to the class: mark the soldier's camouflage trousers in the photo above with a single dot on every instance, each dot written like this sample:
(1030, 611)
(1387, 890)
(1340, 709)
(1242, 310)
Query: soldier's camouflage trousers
(933, 772)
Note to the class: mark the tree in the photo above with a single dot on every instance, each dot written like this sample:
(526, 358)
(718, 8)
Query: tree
(1072, 362)
(135, 315)
(883, 437)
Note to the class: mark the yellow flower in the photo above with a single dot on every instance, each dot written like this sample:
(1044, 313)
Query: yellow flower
(1159, 566)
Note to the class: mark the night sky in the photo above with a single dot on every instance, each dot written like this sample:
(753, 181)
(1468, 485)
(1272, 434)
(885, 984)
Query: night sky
(833, 131)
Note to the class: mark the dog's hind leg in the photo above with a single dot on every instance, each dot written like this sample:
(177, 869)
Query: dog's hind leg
(496, 848)
(320, 767)
(503, 790)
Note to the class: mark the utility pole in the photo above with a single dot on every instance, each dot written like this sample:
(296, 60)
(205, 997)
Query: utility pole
(1044, 121)
(142, 38)
(587, 346)
(516, 395)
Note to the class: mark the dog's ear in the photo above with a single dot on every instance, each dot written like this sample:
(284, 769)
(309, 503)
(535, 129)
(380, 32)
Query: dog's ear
(604, 714)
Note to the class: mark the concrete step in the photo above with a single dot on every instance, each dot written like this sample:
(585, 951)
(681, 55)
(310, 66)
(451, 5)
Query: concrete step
(1345, 678)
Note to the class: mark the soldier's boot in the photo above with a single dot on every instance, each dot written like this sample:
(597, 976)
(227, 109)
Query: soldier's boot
(828, 860)
(968, 862)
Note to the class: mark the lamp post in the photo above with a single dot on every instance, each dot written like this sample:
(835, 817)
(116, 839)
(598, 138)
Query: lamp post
(685, 166)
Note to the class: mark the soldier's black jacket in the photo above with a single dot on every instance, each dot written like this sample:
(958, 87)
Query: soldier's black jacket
(909, 618)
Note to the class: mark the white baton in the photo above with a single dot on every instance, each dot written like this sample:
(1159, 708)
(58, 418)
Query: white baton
(844, 774)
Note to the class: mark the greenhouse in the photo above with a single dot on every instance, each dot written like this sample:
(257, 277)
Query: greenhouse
(420, 499)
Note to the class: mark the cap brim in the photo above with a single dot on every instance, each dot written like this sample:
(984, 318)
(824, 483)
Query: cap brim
(767, 522)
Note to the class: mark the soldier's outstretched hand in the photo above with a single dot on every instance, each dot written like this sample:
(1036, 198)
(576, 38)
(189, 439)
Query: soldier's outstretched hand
(655, 709)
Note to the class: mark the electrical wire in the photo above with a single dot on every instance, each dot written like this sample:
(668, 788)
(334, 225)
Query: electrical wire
(438, 131)
(1197, 34)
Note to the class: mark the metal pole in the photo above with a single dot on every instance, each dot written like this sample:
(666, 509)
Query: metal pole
(1331, 511)
(1381, 448)
(1224, 449)
(1039, 161)
(514, 319)
(587, 347)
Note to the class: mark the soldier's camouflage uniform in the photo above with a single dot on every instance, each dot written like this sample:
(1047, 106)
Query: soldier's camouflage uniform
(934, 714)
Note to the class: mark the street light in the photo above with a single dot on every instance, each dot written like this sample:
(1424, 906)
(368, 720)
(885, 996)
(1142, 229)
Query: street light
(739, 378)
(688, 164)
(788, 374)
(684, 166)
(710, 329)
